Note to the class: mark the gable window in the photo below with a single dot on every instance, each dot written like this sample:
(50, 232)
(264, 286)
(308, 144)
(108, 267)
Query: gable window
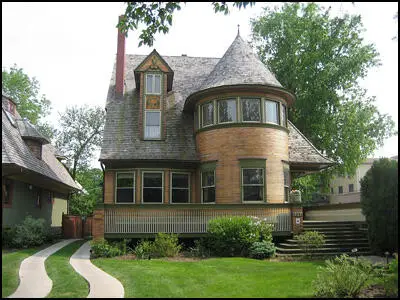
(152, 128)
(227, 111)
(340, 189)
(284, 115)
(153, 84)
(351, 188)
(252, 184)
(125, 187)
(180, 188)
(7, 192)
(271, 112)
(207, 114)
(286, 183)
(251, 110)
(152, 187)
(208, 186)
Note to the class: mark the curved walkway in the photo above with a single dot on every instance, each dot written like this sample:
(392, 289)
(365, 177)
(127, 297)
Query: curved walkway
(34, 282)
(101, 284)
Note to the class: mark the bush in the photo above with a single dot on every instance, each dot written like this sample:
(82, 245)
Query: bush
(7, 236)
(31, 232)
(342, 277)
(310, 240)
(200, 249)
(166, 245)
(261, 250)
(379, 202)
(391, 279)
(144, 250)
(102, 248)
(230, 236)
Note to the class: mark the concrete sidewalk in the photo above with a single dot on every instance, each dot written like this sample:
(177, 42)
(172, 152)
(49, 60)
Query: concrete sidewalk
(101, 284)
(34, 282)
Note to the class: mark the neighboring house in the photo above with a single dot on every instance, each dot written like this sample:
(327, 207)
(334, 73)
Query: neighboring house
(34, 181)
(188, 139)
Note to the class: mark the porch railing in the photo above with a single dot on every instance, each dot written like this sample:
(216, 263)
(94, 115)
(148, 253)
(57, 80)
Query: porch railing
(177, 218)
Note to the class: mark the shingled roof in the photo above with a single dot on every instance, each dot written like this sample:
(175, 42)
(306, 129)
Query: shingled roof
(27, 130)
(16, 152)
(239, 65)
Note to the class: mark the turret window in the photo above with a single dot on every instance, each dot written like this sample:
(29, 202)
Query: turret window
(271, 112)
(226, 111)
(251, 110)
(252, 184)
(207, 114)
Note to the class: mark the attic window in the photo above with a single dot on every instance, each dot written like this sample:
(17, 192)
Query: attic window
(153, 84)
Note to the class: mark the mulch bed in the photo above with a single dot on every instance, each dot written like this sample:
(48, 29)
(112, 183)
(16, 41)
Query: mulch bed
(374, 291)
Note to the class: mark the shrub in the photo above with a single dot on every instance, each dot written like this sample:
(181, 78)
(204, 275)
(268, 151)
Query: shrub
(102, 248)
(342, 277)
(166, 245)
(379, 202)
(261, 250)
(144, 250)
(230, 236)
(391, 279)
(7, 236)
(310, 240)
(31, 232)
(200, 248)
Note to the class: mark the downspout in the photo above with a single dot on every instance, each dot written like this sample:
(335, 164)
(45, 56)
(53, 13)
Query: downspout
(102, 167)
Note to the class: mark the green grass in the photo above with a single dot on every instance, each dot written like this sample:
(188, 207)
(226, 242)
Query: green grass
(216, 277)
(66, 282)
(10, 268)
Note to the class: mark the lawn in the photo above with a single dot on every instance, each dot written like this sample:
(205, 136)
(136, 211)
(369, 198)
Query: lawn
(66, 282)
(215, 277)
(10, 268)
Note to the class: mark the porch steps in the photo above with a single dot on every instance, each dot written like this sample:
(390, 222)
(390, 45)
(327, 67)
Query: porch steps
(340, 237)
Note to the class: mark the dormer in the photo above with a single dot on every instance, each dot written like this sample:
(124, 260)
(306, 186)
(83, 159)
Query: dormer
(32, 137)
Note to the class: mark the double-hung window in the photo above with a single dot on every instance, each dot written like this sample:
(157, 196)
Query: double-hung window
(251, 110)
(125, 187)
(153, 84)
(180, 187)
(271, 112)
(252, 184)
(153, 125)
(227, 111)
(152, 186)
(208, 186)
(286, 183)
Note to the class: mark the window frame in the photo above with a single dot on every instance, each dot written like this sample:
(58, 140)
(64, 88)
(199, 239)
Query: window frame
(171, 187)
(236, 112)
(352, 185)
(286, 169)
(212, 102)
(162, 186)
(278, 111)
(259, 109)
(146, 92)
(242, 185)
(340, 187)
(209, 186)
(116, 187)
(145, 117)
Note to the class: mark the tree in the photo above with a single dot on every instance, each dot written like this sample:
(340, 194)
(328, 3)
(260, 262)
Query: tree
(83, 203)
(379, 203)
(25, 92)
(157, 17)
(80, 134)
(321, 59)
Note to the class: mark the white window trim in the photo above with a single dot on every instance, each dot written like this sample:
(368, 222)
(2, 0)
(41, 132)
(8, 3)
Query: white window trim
(162, 187)
(278, 112)
(201, 114)
(171, 187)
(208, 186)
(116, 187)
(241, 109)
(262, 185)
(154, 84)
(144, 133)
(231, 99)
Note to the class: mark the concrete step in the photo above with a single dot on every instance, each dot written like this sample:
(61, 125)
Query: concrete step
(327, 245)
(330, 229)
(343, 232)
(323, 250)
(324, 254)
(336, 239)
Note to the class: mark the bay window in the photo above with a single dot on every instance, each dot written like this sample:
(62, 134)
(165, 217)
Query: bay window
(252, 184)
(251, 110)
(208, 186)
(227, 111)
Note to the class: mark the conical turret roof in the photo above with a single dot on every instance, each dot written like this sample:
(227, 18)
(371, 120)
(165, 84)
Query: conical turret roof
(238, 66)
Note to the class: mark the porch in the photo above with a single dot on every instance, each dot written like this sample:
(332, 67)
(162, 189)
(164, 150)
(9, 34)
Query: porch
(190, 220)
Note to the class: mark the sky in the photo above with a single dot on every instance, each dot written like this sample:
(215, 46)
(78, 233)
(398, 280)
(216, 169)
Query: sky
(70, 47)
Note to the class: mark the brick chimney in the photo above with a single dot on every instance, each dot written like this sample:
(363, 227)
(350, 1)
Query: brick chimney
(120, 72)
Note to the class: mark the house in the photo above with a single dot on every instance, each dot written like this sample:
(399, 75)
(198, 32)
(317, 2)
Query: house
(34, 181)
(188, 139)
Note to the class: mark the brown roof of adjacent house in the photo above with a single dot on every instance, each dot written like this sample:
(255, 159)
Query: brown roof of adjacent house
(121, 138)
(15, 151)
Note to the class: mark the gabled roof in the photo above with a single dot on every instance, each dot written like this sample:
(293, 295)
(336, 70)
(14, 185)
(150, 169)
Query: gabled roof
(239, 65)
(16, 152)
(27, 130)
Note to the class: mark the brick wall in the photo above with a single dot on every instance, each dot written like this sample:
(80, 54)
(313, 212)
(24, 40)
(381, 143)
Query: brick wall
(98, 224)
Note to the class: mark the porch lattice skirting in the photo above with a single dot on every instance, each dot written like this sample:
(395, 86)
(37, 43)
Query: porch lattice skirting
(180, 219)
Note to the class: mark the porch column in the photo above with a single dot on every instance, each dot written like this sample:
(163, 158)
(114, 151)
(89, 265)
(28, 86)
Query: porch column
(98, 222)
(297, 218)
